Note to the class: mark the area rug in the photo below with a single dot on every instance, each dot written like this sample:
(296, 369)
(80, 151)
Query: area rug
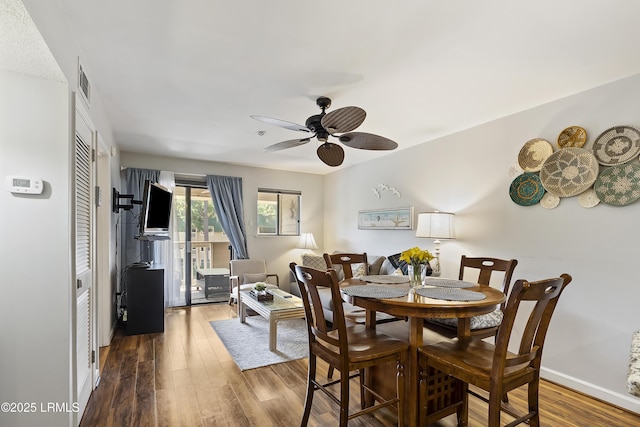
(248, 343)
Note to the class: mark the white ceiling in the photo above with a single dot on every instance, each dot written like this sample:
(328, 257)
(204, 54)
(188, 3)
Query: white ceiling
(181, 77)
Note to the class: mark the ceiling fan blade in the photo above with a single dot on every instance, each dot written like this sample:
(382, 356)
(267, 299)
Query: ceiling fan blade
(286, 144)
(282, 123)
(343, 119)
(367, 141)
(331, 154)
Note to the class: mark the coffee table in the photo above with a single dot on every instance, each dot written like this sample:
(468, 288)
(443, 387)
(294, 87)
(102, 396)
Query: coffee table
(283, 306)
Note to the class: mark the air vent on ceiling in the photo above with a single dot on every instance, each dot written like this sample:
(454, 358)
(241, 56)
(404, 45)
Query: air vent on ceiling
(83, 84)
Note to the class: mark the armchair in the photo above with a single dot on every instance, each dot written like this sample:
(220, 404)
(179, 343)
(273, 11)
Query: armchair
(244, 273)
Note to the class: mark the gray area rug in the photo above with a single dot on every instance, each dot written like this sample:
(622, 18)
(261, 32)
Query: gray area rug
(248, 343)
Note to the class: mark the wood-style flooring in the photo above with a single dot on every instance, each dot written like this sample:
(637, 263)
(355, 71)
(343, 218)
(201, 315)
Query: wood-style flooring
(186, 377)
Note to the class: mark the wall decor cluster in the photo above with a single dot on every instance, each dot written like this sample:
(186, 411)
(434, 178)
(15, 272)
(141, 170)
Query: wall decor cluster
(609, 172)
(377, 190)
(386, 219)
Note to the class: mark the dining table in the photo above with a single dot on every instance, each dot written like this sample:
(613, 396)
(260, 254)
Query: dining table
(416, 304)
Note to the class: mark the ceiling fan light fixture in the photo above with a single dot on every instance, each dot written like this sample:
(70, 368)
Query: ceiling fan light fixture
(322, 136)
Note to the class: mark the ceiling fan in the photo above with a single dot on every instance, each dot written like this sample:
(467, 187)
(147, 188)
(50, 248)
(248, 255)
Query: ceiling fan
(341, 121)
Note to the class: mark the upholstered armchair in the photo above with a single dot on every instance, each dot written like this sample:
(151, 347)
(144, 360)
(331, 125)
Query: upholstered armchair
(244, 273)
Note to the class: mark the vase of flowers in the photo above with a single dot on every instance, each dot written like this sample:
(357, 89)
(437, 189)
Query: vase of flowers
(417, 260)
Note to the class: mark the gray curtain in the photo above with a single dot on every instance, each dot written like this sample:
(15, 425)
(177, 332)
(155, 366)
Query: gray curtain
(135, 250)
(226, 193)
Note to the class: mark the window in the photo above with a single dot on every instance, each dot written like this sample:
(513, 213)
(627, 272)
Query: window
(278, 212)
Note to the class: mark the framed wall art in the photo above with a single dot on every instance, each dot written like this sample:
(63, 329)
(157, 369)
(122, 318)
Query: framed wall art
(386, 219)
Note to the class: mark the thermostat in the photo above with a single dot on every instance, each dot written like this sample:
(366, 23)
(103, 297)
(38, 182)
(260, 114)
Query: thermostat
(23, 184)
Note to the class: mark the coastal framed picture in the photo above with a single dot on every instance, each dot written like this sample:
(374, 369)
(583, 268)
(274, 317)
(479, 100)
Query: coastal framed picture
(386, 219)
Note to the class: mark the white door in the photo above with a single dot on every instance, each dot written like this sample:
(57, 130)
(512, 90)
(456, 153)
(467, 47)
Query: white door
(85, 340)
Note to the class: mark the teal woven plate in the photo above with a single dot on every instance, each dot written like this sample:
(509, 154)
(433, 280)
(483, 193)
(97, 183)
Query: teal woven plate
(526, 189)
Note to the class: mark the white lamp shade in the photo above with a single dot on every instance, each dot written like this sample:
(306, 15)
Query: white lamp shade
(436, 225)
(307, 241)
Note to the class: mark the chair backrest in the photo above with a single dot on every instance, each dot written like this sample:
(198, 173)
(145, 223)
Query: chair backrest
(485, 267)
(240, 267)
(347, 261)
(545, 294)
(309, 279)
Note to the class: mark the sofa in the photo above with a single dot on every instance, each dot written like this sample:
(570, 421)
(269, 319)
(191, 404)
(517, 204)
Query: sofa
(378, 265)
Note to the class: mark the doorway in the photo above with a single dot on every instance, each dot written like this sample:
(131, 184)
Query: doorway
(203, 252)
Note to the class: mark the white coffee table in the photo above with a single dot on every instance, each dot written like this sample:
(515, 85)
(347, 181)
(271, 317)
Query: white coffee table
(283, 306)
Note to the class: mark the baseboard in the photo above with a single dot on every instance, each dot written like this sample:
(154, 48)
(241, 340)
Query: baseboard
(629, 403)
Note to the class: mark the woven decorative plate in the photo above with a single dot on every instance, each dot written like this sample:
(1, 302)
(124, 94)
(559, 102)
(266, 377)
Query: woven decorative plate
(588, 199)
(568, 172)
(573, 136)
(619, 185)
(447, 283)
(450, 294)
(373, 291)
(617, 145)
(526, 189)
(386, 279)
(549, 201)
(533, 154)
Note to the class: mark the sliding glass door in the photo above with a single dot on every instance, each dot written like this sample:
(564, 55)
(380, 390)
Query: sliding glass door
(202, 251)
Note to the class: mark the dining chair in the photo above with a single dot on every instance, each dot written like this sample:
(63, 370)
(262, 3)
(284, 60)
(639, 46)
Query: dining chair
(348, 349)
(483, 268)
(347, 261)
(492, 367)
(243, 275)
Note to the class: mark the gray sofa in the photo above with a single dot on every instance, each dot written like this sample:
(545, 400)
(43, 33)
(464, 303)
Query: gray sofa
(377, 265)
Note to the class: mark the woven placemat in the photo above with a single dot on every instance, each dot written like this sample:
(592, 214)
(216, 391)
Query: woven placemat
(373, 291)
(447, 283)
(450, 294)
(386, 279)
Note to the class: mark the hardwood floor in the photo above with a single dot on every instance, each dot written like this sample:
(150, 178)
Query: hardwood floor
(186, 377)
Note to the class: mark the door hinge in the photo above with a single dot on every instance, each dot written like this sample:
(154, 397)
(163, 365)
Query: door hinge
(93, 356)
(93, 154)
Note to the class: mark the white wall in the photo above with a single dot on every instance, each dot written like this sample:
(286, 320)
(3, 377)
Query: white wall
(35, 338)
(278, 251)
(467, 173)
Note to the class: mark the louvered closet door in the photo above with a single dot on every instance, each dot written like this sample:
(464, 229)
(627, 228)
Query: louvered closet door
(84, 259)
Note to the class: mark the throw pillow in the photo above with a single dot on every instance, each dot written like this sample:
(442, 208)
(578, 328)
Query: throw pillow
(253, 278)
(375, 262)
(358, 270)
(314, 261)
(395, 261)
(402, 265)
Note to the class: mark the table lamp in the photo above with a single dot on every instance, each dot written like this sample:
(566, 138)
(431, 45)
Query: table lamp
(307, 242)
(436, 225)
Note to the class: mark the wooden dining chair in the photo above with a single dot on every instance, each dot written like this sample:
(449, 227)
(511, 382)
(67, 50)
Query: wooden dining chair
(346, 261)
(482, 268)
(492, 367)
(348, 349)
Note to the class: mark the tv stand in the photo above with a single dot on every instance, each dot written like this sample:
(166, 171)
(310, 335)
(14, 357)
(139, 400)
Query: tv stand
(145, 300)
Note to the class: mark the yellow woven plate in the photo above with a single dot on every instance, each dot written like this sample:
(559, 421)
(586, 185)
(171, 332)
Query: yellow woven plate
(573, 136)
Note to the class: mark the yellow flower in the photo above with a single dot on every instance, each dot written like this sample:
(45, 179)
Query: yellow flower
(416, 256)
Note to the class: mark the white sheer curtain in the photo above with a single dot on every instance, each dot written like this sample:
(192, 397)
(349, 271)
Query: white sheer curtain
(168, 251)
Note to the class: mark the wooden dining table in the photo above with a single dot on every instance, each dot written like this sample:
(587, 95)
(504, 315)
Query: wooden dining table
(416, 309)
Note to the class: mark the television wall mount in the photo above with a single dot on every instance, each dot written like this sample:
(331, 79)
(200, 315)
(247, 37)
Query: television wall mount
(116, 197)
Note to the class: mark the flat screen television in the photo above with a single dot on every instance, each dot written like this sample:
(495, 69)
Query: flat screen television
(155, 215)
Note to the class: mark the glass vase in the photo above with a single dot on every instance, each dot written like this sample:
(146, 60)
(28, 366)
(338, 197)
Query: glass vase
(417, 273)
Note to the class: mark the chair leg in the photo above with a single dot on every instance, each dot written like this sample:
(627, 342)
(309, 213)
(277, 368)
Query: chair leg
(344, 398)
(362, 382)
(311, 376)
(400, 389)
(495, 403)
(462, 412)
(330, 372)
(532, 390)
